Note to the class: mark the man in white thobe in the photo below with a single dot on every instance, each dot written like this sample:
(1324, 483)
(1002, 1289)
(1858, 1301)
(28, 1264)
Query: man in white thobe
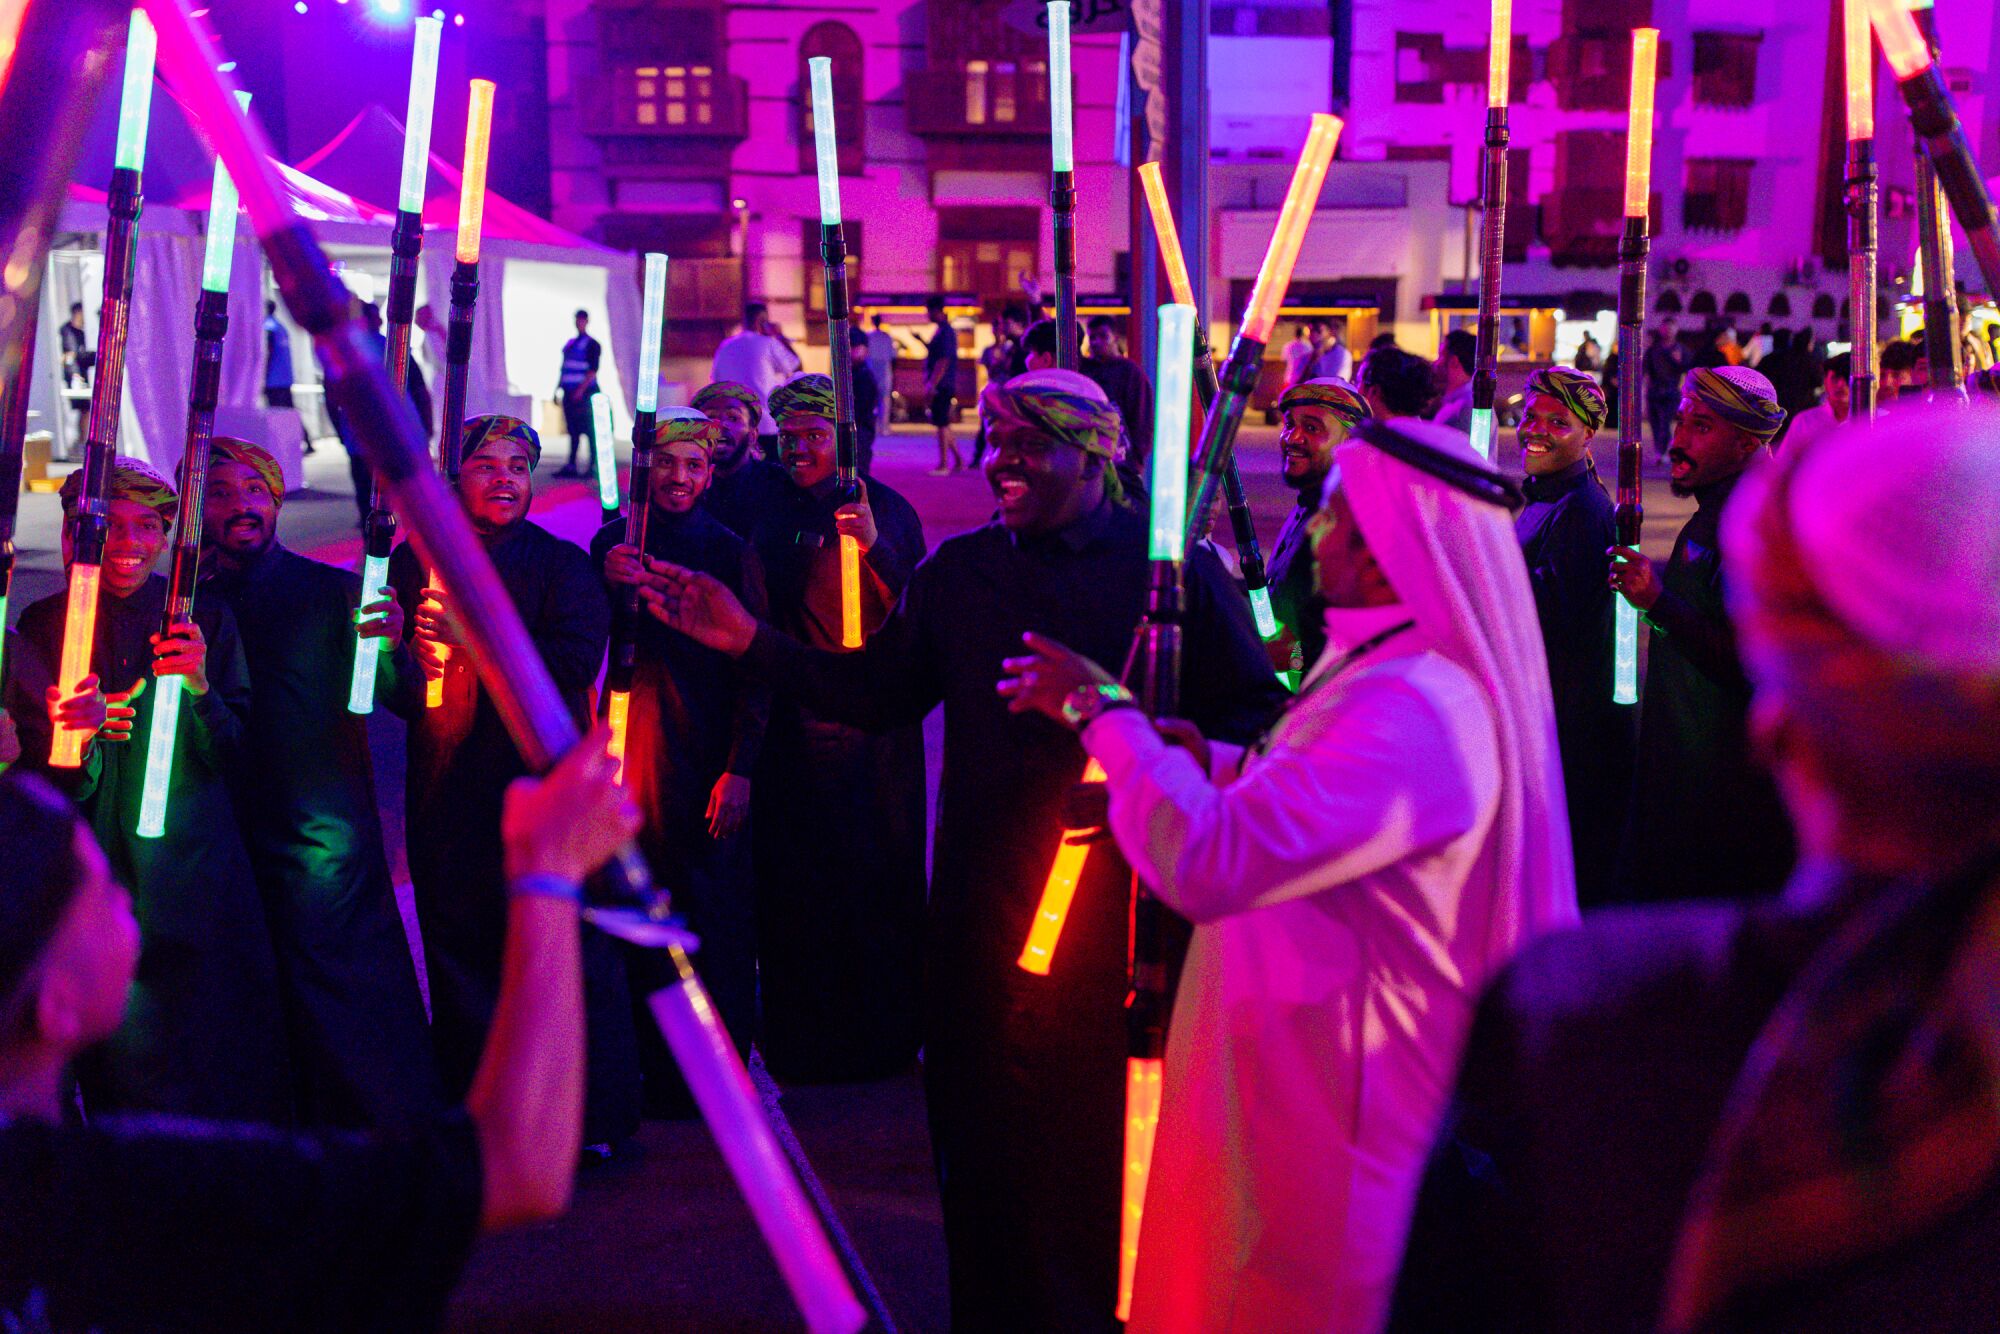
(1354, 881)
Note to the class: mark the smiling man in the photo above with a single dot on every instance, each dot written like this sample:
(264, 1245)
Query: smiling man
(1024, 1075)
(1317, 416)
(694, 735)
(1564, 528)
(742, 487)
(204, 1035)
(461, 761)
(839, 821)
(1705, 820)
(360, 1050)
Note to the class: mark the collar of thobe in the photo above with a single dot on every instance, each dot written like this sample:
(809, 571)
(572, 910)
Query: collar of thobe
(494, 541)
(1559, 483)
(1348, 628)
(1077, 534)
(1715, 495)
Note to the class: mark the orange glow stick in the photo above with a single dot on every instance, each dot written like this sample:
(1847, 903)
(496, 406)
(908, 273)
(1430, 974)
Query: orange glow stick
(1639, 128)
(472, 185)
(1902, 41)
(1499, 53)
(1300, 200)
(1860, 55)
(79, 634)
(1169, 234)
(618, 712)
(850, 592)
(1142, 1123)
(1039, 953)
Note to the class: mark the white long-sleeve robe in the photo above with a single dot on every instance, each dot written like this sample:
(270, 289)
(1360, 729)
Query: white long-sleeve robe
(1337, 954)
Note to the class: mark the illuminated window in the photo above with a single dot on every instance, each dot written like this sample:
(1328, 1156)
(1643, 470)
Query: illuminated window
(975, 92)
(1003, 92)
(671, 95)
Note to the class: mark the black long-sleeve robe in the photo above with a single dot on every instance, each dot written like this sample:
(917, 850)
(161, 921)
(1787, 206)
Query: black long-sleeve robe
(1025, 1075)
(694, 716)
(1291, 584)
(1705, 820)
(361, 1054)
(1564, 530)
(204, 1030)
(744, 497)
(460, 763)
(840, 818)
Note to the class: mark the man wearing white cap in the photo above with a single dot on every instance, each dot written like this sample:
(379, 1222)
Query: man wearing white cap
(1354, 879)
(1782, 1115)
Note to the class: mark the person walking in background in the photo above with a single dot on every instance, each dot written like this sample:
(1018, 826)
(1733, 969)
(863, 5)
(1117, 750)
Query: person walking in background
(78, 361)
(882, 368)
(1299, 353)
(1451, 376)
(575, 387)
(277, 363)
(1003, 359)
(867, 400)
(1665, 363)
(941, 385)
(757, 355)
(1588, 355)
(1333, 360)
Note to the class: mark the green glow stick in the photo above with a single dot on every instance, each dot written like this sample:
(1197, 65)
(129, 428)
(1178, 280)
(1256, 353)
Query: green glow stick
(219, 251)
(367, 649)
(160, 755)
(1170, 431)
(607, 453)
(1260, 611)
(654, 321)
(417, 120)
(135, 102)
(1625, 655)
(1060, 113)
(821, 70)
(1482, 432)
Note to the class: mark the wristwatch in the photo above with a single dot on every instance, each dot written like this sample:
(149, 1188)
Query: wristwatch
(1081, 707)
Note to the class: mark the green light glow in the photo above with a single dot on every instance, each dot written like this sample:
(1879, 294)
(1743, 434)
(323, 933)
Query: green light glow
(368, 650)
(417, 120)
(1482, 432)
(1061, 141)
(1260, 611)
(135, 102)
(824, 149)
(160, 755)
(607, 452)
(1171, 420)
(652, 326)
(220, 249)
(1625, 656)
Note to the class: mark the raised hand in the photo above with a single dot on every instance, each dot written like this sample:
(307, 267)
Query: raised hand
(381, 620)
(182, 651)
(1042, 680)
(571, 820)
(700, 606)
(857, 520)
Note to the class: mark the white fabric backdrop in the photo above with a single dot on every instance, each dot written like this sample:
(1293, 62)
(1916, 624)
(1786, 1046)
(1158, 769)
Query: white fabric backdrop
(540, 314)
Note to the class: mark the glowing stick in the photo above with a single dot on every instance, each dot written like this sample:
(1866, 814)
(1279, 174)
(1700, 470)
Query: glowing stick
(653, 322)
(1168, 233)
(219, 250)
(1261, 613)
(135, 101)
(618, 712)
(1482, 431)
(826, 152)
(1860, 55)
(367, 648)
(1276, 273)
(1639, 128)
(79, 635)
(1499, 53)
(417, 120)
(1057, 892)
(1062, 145)
(160, 755)
(1175, 398)
(434, 686)
(722, 1089)
(850, 592)
(472, 186)
(1625, 655)
(1142, 1122)
(1902, 41)
(607, 453)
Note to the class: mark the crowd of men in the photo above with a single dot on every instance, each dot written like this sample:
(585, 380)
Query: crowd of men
(1381, 870)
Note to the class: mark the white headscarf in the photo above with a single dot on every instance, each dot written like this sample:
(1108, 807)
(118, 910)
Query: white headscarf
(1454, 562)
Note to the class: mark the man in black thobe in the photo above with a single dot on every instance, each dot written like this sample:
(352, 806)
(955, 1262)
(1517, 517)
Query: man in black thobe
(839, 826)
(1317, 415)
(204, 1032)
(461, 760)
(361, 1054)
(1025, 1075)
(693, 735)
(744, 487)
(1564, 530)
(1705, 820)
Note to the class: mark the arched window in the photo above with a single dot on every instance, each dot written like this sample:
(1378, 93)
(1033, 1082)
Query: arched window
(1824, 307)
(1738, 304)
(839, 43)
(1668, 304)
(1702, 303)
(1780, 305)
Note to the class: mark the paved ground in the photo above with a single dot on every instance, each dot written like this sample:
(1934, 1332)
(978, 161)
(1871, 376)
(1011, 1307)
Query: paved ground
(658, 1239)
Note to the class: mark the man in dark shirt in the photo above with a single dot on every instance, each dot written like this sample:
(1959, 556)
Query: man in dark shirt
(742, 487)
(1125, 384)
(867, 401)
(361, 1052)
(941, 385)
(1317, 416)
(78, 361)
(461, 760)
(575, 387)
(1704, 820)
(1564, 530)
(1024, 1075)
(694, 734)
(1666, 361)
(143, 1224)
(205, 1033)
(1774, 1116)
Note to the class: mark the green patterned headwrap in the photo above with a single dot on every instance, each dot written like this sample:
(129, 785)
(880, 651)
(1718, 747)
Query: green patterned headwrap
(722, 391)
(1337, 396)
(492, 428)
(803, 396)
(1577, 392)
(1065, 406)
(131, 479)
(1738, 395)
